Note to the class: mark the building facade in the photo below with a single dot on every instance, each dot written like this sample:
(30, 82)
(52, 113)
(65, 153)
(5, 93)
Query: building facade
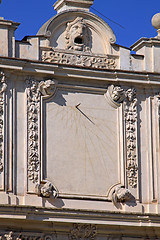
(79, 131)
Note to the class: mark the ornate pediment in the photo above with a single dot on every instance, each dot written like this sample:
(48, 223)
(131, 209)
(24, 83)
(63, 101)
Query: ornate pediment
(77, 36)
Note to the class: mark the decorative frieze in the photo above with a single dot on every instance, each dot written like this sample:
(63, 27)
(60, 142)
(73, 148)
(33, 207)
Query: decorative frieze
(34, 91)
(76, 59)
(3, 87)
(82, 232)
(25, 236)
(115, 96)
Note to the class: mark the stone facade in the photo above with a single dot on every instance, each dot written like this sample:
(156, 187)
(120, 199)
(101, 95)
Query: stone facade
(79, 131)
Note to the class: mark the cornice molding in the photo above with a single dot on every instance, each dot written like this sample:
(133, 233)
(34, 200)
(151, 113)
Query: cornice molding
(23, 66)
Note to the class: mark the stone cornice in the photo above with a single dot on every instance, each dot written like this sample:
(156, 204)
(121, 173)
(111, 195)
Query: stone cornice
(79, 216)
(23, 66)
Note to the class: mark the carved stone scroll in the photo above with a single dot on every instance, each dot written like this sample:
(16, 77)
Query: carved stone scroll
(47, 88)
(121, 194)
(82, 60)
(34, 91)
(47, 190)
(83, 232)
(116, 95)
(3, 87)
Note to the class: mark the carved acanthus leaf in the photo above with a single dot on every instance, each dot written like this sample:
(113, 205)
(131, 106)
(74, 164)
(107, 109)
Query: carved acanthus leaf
(121, 194)
(83, 232)
(46, 189)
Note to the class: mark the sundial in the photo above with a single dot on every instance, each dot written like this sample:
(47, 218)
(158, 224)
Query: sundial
(80, 148)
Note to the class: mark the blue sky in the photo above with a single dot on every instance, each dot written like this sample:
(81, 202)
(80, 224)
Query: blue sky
(135, 16)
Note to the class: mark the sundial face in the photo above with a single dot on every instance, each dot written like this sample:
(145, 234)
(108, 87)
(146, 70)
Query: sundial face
(80, 147)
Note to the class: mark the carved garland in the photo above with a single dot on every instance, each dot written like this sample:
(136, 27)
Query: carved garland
(130, 113)
(3, 87)
(83, 232)
(33, 107)
(115, 96)
(34, 92)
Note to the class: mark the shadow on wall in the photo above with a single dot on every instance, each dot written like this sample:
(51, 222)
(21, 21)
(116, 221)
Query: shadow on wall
(58, 203)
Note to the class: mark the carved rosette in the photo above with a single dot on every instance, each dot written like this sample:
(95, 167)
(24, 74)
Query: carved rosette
(34, 91)
(83, 232)
(130, 113)
(25, 236)
(3, 87)
(115, 95)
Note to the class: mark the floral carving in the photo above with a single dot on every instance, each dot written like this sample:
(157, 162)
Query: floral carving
(83, 232)
(35, 90)
(77, 35)
(83, 60)
(24, 236)
(116, 95)
(131, 136)
(3, 87)
(33, 106)
(121, 194)
(47, 190)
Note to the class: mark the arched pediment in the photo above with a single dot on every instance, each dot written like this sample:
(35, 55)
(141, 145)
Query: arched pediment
(96, 38)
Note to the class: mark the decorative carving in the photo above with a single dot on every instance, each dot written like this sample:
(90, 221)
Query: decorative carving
(24, 236)
(48, 88)
(130, 113)
(83, 232)
(121, 194)
(3, 87)
(116, 95)
(33, 107)
(83, 60)
(34, 91)
(47, 190)
(77, 35)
